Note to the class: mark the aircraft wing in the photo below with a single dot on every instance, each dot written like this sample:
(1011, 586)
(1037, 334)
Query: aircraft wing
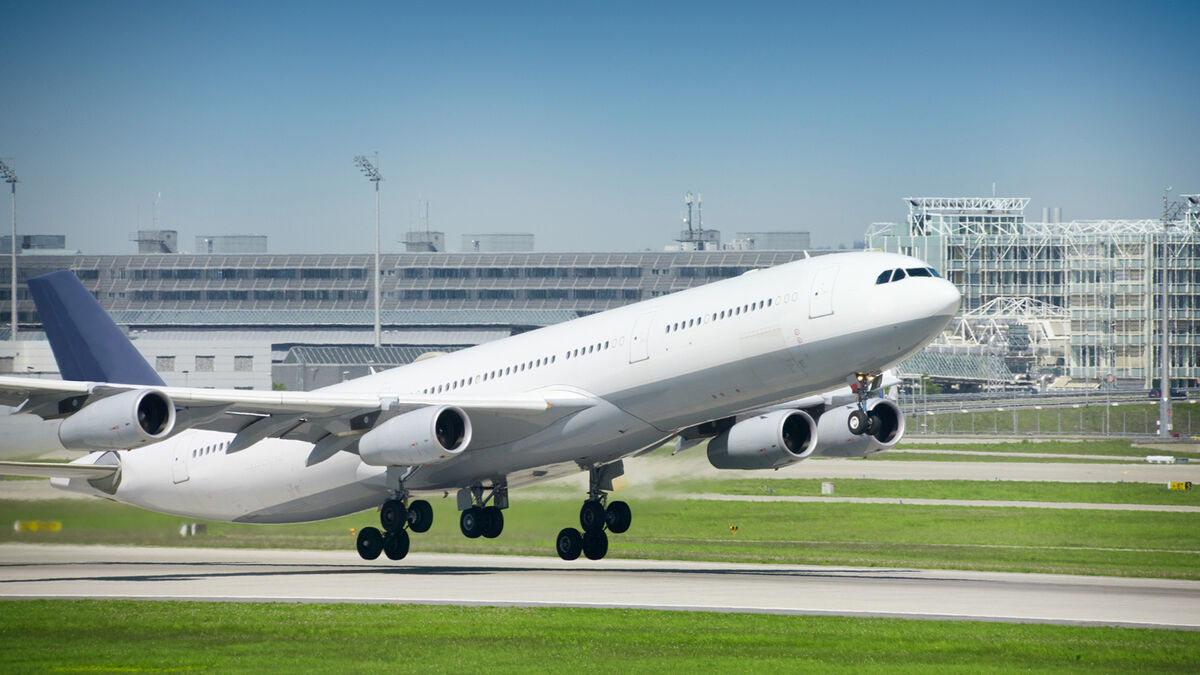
(308, 416)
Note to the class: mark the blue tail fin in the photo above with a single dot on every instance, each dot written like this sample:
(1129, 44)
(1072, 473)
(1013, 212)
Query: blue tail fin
(87, 345)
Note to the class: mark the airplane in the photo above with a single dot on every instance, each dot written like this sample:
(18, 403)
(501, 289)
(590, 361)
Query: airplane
(751, 364)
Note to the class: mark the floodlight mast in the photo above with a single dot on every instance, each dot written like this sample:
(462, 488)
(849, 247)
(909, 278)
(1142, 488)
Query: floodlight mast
(1164, 384)
(9, 176)
(371, 171)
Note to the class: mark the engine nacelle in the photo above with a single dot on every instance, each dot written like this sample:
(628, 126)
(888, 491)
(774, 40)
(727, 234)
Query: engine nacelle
(422, 436)
(126, 420)
(766, 441)
(837, 441)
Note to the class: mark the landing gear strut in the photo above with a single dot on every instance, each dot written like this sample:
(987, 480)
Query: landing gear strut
(594, 517)
(478, 518)
(396, 516)
(864, 386)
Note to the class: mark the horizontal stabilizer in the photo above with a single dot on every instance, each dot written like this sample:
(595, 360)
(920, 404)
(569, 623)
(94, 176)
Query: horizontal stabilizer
(57, 470)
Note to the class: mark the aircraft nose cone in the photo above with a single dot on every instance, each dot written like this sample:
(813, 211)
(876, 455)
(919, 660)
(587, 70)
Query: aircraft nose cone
(946, 298)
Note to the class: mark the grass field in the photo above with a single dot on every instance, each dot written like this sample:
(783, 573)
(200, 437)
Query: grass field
(1125, 543)
(139, 636)
(1036, 491)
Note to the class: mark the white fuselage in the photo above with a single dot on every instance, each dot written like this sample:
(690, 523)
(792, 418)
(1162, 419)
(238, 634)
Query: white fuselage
(654, 368)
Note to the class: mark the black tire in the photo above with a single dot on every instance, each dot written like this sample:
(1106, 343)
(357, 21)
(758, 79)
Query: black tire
(370, 543)
(873, 424)
(857, 422)
(471, 522)
(395, 544)
(493, 522)
(393, 515)
(618, 517)
(591, 516)
(595, 544)
(569, 543)
(420, 516)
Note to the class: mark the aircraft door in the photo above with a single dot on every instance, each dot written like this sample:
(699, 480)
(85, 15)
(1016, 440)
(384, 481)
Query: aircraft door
(821, 293)
(179, 463)
(639, 341)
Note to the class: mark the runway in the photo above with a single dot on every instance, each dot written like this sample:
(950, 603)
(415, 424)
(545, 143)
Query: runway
(39, 571)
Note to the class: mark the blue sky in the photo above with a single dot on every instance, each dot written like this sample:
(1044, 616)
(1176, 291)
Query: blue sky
(584, 123)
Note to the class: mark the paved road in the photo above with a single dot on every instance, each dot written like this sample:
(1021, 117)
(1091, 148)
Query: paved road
(332, 576)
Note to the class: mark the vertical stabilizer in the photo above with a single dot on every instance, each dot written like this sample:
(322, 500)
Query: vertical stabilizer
(87, 345)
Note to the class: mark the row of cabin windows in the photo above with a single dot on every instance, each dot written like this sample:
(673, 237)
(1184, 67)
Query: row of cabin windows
(717, 316)
(520, 367)
(888, 276)
(208, 450)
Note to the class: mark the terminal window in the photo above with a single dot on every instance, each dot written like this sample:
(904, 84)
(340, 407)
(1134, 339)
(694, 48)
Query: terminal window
(164, 364)
(243, 363)
(204, 364)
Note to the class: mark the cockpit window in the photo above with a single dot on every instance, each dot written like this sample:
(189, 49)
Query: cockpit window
(934, 273)
(918, 272)
(897, 275)
(883, 277)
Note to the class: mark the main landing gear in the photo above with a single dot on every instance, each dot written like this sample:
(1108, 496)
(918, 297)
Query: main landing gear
(478, 518)
(594, 517)
(397, 515)
(864, 386)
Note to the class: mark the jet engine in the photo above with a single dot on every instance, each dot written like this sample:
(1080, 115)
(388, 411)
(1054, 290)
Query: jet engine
(422, 436)
(125, 420)
(886, 429)
(765, 441)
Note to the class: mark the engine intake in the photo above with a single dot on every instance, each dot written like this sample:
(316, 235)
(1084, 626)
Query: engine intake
(766, 441)
(422, 436)
(126, 420)
(837, 441)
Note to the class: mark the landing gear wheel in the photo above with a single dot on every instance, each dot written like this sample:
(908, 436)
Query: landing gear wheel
(618, 517)
(420, 516)
(393, 515)
(591, 516)
(569, 543)
(595, 544)
(370, 543)
(493, 522)
(472, 522)
(857, 422)
(395, 544)
(873, 424)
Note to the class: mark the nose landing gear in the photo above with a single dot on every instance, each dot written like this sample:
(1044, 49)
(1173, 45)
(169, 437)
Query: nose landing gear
(595, 517)
(864, 386)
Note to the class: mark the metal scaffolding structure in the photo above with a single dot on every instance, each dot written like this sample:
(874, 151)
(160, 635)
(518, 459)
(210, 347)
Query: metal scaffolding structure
(1103, 274)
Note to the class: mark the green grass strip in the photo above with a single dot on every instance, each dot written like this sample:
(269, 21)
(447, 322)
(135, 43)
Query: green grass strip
(1034, 491)
(139, 636)
(1121, 543)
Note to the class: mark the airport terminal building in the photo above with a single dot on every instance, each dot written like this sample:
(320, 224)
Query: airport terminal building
(176, 306)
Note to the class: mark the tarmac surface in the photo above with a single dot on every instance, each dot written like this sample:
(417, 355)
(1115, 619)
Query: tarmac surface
(44, 571)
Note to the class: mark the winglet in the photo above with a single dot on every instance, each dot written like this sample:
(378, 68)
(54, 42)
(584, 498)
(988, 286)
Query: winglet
(86, 343)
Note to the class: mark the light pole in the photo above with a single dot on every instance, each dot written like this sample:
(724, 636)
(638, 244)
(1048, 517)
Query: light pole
(371, 171)
(1164, 384)
(10, 177)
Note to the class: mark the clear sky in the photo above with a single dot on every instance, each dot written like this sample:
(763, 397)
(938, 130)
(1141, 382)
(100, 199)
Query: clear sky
(583, 123)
